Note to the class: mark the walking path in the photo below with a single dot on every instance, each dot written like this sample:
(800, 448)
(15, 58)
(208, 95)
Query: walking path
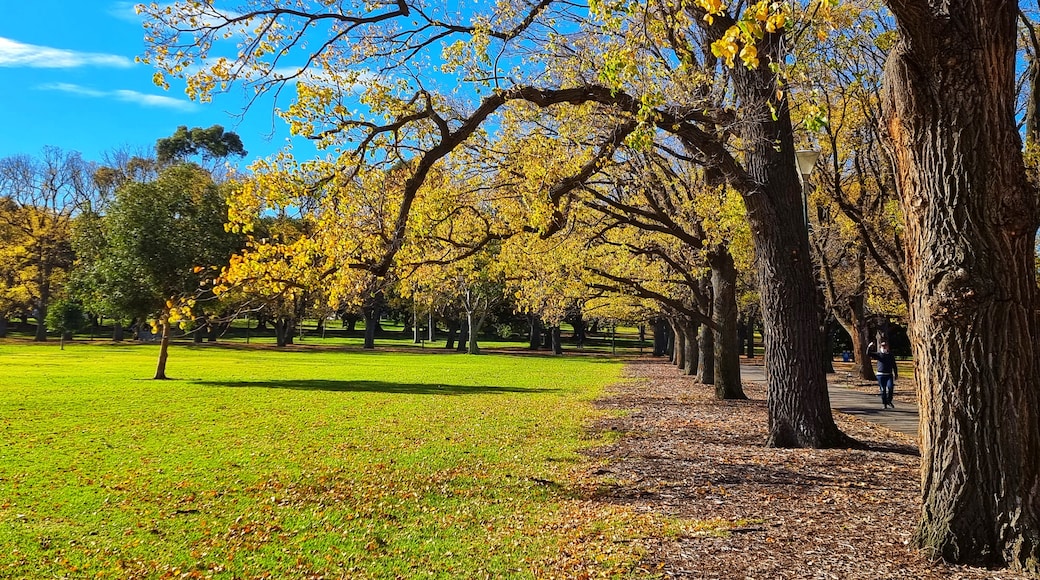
(852, 402)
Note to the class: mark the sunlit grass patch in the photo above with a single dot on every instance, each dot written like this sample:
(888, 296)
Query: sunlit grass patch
(296, 463)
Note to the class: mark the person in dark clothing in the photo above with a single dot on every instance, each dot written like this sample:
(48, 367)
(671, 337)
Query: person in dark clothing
(887, 373)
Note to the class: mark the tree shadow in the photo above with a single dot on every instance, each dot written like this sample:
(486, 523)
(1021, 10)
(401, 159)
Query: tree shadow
(375, 387)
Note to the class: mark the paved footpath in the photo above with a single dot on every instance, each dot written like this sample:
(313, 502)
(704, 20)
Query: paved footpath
(845, 400)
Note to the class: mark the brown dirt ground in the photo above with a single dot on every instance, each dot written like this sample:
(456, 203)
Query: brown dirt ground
(794, 513)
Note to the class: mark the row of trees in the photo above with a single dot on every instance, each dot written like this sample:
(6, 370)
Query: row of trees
(543, 110)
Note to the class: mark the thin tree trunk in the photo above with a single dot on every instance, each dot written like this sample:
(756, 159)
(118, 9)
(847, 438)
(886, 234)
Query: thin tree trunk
(679, 352)
(971, 218)
(473, 347)
(827, 352)
(750, 337)
(164, 351)
(860, 333)
(692, 347)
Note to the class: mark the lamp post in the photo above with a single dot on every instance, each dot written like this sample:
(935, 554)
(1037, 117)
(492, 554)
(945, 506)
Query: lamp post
(806, 160)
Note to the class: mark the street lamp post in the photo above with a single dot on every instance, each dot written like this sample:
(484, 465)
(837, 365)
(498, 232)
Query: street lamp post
(806, 160)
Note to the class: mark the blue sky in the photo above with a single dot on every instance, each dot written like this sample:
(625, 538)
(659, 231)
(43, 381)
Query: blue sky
(68, 79)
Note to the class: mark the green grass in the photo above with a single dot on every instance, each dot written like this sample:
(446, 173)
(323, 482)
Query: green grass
(293, 464)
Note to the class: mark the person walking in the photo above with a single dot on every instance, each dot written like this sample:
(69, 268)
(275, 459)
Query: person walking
(887, 372)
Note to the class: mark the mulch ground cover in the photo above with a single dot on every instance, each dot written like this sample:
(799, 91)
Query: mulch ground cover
(768, 513)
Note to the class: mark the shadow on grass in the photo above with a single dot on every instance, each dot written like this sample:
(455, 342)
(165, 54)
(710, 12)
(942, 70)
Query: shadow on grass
(376, 387)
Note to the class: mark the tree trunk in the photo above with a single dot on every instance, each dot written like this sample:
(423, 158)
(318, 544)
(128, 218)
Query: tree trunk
(705, 339)
(827, 352)
(281, 331)
(679, 350)
(557, 340)
(692, 346)
(660, 337)
(579, 331)
(534, 336)
(350, 322)
(164, 350)
(463, 337)
(371, 315)
(474, 330)
(860, 333)
(41, 323)
(453, 328)
(3, 327)
(799, 410)
(750, 337)
(971, 218)
(216, 328)
(724, 315)
(669, 348)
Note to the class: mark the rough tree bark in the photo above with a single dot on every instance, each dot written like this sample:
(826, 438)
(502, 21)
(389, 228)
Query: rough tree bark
(705, 369)
(724, 315)
(971, 220)
(798, 404)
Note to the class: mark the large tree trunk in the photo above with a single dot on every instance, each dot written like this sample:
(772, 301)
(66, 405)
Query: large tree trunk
(3, 327)
(724, 315)
(798, 404)
(971, 220)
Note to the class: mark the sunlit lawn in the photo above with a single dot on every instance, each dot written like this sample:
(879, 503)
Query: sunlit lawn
(292, 464)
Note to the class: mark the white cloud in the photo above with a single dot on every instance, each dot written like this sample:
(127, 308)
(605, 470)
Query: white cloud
(127, 96)
(20, 54)
(125, 11)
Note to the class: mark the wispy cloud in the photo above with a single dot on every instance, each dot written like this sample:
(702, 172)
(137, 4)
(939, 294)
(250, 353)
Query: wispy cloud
(20, 54)
(127, 96)
(125, 11)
